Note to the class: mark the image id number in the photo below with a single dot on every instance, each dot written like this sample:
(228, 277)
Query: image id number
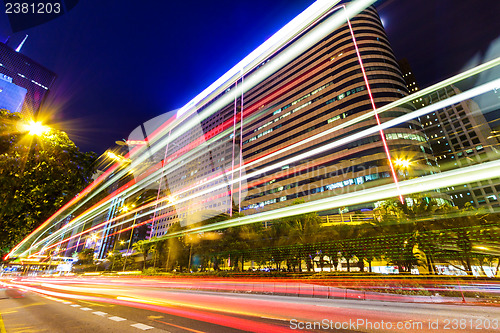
(32, 8)
(470, 324)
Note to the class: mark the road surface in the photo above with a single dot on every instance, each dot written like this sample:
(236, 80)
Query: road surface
(112, 304)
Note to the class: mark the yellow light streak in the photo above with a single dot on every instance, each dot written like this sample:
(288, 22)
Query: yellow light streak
(423, 92)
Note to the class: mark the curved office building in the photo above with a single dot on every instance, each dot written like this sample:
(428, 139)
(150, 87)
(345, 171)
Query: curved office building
(323, 88)
(293, 120)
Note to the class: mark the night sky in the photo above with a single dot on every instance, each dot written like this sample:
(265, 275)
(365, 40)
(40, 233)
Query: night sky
(121, 63)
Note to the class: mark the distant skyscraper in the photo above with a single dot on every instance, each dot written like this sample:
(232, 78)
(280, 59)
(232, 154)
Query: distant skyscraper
(28, 74)
(410, 81)
(459, 136)
(11, 96)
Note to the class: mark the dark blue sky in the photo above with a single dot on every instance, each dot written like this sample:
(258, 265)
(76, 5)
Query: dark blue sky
(120, 63)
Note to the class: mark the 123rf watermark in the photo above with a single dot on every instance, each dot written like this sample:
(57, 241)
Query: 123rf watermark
(443, 325)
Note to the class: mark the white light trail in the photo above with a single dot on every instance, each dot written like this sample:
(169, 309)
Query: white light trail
(456, 177)
(294, 28)
(159, 141)
(490, 86)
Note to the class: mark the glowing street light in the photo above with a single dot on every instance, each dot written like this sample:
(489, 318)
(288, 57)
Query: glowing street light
(36, 128)
(402, 163)
(112, 156)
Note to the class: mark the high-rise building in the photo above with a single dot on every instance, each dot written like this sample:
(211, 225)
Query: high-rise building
(410, 81)
(293, 120)
(28, 74)
(11, 95)
(341, 77)
(460, 136)
(346, 75)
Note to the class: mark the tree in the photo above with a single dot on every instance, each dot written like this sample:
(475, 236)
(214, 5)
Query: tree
(85, 260)
(414, 228)
(463, 231)
(116, 259)
(305, 233)
(38, 174)
(143, 247)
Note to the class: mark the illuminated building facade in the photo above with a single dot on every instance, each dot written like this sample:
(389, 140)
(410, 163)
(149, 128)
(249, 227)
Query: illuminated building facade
(11, 95)
(325, 87)
(460, 136)
(26, 73)
(293, 120)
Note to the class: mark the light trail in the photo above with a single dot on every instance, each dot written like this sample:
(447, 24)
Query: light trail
(461, 176)
(212, 109)
(308, 17)
(183, 309)
(372, 101)
(220, 303)
(464, 175)
(431, 108)
(280, 60)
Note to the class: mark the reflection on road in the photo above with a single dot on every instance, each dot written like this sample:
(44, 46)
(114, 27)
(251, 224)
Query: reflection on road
(246, 304)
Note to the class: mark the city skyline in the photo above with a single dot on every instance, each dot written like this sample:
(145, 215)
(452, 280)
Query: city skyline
(283, 73)
(323, 163)
(114, 86)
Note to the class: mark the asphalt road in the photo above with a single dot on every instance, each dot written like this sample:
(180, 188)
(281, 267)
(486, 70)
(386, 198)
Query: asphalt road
(29, 312)
(132, 305)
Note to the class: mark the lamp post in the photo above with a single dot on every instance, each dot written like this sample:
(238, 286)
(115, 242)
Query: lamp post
(403, 165)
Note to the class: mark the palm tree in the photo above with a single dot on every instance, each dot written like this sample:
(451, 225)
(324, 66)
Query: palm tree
(305, 231)
(143, 247)
(347, 234)
(412, 227)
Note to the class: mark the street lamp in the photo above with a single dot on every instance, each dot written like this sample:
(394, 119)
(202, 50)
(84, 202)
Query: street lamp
(402, 163)
(36, 128)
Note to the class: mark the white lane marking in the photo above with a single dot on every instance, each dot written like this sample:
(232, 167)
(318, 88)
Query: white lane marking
(86, 309)
(117, 318)
(66, 302)
(142, 326)
(100, 313)
(75, 305)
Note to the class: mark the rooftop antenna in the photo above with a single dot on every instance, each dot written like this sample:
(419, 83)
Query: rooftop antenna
(22, 43)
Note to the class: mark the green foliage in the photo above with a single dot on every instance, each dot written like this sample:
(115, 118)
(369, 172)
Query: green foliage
(143, 247)
(38, 174)
(152, 271)
(85, 260)
(416, 233)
